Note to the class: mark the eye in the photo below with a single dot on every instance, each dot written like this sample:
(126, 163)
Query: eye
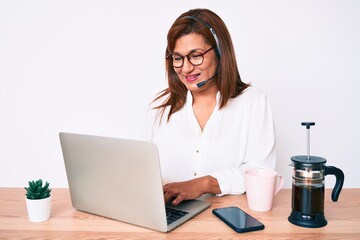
(177, 58)
(195, 56)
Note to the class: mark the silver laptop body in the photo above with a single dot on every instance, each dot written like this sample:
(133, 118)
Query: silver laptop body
(119, 179)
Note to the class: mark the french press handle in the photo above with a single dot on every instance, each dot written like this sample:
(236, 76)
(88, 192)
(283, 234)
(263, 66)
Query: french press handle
(330, 170)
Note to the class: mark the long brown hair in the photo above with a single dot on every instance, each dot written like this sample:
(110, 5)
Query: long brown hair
(228, 78)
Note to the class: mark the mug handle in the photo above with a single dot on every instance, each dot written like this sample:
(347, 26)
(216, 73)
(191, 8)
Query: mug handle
(280, 184)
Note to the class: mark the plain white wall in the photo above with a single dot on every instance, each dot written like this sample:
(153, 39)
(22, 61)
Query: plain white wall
(92, 66)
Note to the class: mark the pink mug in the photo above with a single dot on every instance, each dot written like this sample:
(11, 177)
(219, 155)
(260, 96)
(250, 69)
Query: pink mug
(261, 188)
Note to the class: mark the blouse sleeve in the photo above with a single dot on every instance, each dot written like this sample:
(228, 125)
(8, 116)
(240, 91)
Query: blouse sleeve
(260, 148)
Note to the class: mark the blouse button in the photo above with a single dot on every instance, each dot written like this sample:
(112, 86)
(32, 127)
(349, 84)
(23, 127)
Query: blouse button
(197, 151)
(194, 173)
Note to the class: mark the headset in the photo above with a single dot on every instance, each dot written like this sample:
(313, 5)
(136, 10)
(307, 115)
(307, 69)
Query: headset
(217, 50)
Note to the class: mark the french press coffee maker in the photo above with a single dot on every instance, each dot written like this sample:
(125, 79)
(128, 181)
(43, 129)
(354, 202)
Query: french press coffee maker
(308, 187)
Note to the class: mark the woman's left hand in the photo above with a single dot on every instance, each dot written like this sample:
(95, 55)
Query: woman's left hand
(192, 189)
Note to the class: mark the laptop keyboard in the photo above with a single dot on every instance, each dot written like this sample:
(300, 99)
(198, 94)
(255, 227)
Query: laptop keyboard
(174, 214)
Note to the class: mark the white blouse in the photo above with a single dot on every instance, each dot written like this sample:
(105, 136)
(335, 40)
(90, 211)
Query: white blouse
(239, 136)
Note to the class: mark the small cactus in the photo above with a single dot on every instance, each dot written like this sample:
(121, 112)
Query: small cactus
(37, 191)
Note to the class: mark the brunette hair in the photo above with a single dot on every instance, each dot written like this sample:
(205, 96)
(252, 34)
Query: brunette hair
(228, 77)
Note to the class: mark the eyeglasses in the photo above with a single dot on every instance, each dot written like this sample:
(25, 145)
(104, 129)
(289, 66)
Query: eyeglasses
(195, 58)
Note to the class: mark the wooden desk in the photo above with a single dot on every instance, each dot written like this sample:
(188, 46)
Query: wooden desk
(67, 223)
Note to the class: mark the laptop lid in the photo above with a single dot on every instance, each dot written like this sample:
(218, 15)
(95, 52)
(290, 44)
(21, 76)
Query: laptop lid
(119, 179)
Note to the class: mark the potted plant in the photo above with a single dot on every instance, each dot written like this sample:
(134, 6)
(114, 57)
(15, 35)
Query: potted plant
(38, 201)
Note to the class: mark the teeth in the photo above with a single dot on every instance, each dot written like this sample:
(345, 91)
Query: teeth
(191, 77)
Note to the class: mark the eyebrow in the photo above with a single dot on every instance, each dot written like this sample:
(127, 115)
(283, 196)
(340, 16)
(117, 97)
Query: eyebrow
(192, 51)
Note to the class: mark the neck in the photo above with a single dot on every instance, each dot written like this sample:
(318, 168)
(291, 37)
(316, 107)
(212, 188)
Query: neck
(206, 92)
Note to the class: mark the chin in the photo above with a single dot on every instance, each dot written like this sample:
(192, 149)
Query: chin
(192, 87)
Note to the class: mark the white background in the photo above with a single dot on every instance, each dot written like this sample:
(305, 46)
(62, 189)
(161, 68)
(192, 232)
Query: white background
(93, 66)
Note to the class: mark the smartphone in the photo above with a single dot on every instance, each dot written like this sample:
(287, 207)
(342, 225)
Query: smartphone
(237, 219)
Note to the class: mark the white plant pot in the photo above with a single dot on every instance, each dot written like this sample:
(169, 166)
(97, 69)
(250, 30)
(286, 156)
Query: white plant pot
(38, 209)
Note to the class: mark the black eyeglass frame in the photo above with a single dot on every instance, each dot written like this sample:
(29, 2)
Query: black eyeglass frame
(170, 58)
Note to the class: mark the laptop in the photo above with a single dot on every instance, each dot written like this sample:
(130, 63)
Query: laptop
(121, 179)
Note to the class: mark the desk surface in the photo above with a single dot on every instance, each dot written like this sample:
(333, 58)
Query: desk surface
(67, 223)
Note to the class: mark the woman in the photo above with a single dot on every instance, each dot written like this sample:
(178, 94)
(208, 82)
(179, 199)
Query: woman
(208, 124)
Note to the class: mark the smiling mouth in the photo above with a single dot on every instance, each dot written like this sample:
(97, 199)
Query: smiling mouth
(192, 78)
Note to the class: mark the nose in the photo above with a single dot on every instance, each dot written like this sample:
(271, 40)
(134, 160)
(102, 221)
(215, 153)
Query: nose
(187, 66)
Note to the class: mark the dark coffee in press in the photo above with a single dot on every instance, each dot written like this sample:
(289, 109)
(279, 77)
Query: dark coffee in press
(308, 200)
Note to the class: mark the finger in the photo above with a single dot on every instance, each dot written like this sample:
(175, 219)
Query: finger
(165, 188)
(167, 198)
(169, 195)
(181, 197)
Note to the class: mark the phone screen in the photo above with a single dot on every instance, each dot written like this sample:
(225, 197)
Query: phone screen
(237, 219)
